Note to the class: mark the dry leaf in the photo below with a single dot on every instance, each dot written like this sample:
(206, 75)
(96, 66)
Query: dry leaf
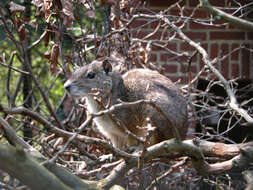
(37, 3)
(86, 4)
(90, 14)
(54, 58)
(108, 2)
(67, 9)
(47, 54)
(16, 7)
(46, 38)
(47, 4)
(22, 32)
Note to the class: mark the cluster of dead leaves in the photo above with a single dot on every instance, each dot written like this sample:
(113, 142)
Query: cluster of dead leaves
(64, 10)
(59, 8)
(19, 22)
(53, 55)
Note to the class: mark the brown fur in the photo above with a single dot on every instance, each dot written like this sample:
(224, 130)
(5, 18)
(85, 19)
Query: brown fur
(134, 85)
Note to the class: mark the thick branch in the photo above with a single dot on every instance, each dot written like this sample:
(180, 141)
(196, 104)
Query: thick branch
(248, 176)
(52, 128)
(18, 164)
(65, 176)
(239, 23)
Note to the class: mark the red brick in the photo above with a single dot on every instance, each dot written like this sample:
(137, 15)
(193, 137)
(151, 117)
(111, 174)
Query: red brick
(158, 35)
(156, 48)
(154, 24)
(224, 49)
(141, 34)
(201, 64)
(169, 68)
(233, 27)
(186, 47)
(175, 12)
(196, 35)
(137, 23)
(235, 70)
(227, 35)
(235, 55)
(188, 12)
(162, 3)
(194, 59)
(219, 3)
(172, 46)
(214, 51)
(152, 57)
(200, 14)
(147, 11)
(184, 68)
(225, 68)
(225, 63)
(250, 35)
(205, 46)
(164, 57)
(245, 62)
(182, 59)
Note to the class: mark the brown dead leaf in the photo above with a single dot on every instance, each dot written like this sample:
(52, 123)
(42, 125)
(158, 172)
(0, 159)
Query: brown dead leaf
(67, 9)
(47, 54)
(46, 38)
(139, 55)
(22, 32)
(143, 55)
(54, 58)
(87, 4)
(108, 2)
(47, 4)
(14, 8)
(37, 3)
(90, 14)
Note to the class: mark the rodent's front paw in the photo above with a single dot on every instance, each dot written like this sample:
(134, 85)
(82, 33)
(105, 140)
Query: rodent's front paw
(105, 157)
(134, 149)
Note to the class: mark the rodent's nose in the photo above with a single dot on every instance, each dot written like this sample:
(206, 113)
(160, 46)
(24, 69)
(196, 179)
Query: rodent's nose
(67, 87)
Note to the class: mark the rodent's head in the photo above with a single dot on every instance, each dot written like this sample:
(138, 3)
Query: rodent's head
(91, 78)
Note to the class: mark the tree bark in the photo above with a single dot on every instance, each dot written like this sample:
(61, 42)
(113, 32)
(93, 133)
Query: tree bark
(27, 85)
(235, 21)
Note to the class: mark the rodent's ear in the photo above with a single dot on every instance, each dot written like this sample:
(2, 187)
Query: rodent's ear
(107, 67)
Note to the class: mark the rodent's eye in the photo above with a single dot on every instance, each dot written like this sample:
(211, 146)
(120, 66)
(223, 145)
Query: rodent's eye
(91, 75)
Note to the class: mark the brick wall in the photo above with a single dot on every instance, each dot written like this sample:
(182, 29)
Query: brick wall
(217, 41)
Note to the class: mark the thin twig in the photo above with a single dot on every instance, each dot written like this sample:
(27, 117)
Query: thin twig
(14, 68)
(233, 102)
(80, 129)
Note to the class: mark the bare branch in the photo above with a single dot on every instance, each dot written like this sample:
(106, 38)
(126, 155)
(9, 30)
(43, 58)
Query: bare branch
(237, 22)
(233, 102)
(18, 164)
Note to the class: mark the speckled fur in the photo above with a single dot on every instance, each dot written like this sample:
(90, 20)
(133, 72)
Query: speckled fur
(134, 85)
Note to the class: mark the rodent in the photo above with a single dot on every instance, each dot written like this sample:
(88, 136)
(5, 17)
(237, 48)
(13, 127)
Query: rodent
(98, 79)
